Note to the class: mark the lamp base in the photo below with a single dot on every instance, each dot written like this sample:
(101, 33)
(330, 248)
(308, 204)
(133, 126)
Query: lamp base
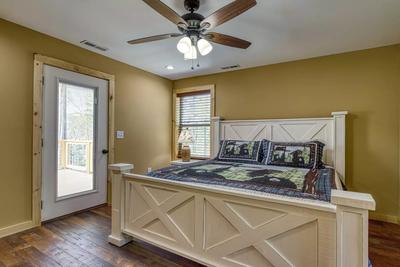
(185, 153)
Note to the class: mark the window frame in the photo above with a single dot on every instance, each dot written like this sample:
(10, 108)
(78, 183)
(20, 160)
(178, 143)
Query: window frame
(175, 130)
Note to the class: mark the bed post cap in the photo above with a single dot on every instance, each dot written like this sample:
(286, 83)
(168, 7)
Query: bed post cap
(353, 199)
(216, 118)
(340, 113)
(120, 167)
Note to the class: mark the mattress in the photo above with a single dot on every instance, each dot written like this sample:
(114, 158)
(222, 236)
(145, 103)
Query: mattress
(296, 182)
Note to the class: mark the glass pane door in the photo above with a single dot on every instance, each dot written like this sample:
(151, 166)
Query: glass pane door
(76, 124)
(75, 134)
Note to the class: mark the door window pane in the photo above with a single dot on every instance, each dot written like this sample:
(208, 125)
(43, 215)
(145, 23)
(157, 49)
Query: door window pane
(76, 115)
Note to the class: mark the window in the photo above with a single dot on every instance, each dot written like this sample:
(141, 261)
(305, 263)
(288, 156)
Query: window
(193, 111)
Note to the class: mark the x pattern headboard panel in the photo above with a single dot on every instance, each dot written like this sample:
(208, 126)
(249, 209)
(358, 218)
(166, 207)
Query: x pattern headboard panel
(330, 131)
(286, 131)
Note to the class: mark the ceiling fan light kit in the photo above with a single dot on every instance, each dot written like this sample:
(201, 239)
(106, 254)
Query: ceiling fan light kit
(204, 47)
(192, 54)
(194, 27)
(184, 45)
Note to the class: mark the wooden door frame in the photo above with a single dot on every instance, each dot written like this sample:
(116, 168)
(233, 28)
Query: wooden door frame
(38, 82)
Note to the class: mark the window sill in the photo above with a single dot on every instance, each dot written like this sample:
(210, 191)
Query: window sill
(180, 162)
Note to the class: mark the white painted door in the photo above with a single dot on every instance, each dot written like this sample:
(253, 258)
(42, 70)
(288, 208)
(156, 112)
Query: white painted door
(75, 131)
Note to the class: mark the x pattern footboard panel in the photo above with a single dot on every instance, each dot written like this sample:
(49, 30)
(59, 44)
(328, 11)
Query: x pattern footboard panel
(253, 237)
(223, 231)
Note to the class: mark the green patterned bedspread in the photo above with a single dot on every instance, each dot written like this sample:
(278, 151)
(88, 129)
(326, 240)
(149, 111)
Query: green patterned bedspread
(303, 183)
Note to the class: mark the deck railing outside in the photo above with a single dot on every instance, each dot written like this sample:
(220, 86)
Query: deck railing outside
(75, 155)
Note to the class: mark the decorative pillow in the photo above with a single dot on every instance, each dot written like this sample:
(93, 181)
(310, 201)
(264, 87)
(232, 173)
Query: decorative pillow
(264, 150)
(294, 154)
(240, 151)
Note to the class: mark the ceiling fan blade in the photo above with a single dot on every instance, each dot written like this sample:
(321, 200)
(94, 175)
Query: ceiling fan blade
(165, 11)
(228, 12)
(154, 38)
(227, 40)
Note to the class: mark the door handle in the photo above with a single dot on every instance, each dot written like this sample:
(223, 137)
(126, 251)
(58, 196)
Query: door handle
(104, 151)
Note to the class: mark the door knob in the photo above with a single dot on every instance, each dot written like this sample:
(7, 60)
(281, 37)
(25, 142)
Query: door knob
(104, 151)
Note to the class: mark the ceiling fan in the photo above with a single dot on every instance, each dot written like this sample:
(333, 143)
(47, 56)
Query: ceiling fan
(194, 27)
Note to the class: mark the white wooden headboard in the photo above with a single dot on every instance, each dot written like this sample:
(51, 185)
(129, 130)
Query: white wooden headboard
(330, 131)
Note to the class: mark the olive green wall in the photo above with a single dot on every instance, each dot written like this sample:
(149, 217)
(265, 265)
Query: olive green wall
(143, 111)
(365, 83)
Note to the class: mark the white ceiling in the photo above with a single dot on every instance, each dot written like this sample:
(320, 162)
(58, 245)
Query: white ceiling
(280, 30)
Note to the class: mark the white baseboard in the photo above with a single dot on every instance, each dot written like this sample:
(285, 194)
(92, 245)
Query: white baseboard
(19, 227)
(384, 217)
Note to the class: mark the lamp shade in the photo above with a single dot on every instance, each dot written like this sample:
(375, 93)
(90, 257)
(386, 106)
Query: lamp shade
(204, 47)
(192, 54)
(185, 137)
(184, 45)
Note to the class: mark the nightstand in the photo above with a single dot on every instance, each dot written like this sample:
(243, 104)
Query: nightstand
(180, 162)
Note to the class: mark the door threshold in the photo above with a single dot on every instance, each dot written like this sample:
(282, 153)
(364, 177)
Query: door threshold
(74, 213)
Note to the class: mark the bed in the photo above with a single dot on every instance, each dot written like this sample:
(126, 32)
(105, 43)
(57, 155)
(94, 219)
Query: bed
(222, 213)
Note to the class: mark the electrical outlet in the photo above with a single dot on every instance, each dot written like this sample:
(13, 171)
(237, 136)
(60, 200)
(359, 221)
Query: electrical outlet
(149, 169)
(120, 134)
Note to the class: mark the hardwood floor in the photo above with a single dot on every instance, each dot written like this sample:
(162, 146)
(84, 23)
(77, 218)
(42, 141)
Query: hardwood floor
(81, 240)
(384, 244)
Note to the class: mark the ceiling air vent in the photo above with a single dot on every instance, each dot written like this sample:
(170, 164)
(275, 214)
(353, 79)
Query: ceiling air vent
(93, 45)
(230, 67)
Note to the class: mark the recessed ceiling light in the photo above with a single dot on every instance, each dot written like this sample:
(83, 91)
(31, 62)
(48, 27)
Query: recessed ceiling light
(169, 67)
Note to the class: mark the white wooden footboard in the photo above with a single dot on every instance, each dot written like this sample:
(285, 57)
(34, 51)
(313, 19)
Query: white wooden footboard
(222, 227)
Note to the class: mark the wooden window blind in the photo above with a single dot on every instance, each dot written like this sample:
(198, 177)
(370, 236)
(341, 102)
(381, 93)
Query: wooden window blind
(193, 111)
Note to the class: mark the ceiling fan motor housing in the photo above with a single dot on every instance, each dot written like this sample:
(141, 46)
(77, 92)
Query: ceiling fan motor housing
(193, 20)
(192, 5)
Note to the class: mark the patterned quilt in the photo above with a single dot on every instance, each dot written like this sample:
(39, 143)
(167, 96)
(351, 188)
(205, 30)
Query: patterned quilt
(296, 182)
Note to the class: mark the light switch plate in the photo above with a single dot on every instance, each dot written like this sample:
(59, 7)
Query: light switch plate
(120, 134)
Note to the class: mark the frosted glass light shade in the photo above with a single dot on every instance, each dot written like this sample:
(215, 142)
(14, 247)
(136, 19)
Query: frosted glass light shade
(204, 47)
(192, 54)
(184, 45)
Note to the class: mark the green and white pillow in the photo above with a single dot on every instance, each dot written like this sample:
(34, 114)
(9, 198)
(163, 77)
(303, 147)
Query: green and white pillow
(240, 151)
(294, 154)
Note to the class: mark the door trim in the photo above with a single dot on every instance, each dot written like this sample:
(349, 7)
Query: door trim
(38, 82)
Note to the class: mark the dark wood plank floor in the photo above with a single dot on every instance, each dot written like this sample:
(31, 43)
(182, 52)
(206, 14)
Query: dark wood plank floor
(384, 244)
(81, 240)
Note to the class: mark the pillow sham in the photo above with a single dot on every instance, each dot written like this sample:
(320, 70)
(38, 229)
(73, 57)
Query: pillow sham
(240, 151)
(294, 154)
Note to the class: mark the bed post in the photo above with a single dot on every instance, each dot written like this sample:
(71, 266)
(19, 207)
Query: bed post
(339, 143)
(215, 135)
(117, 209)
(352, 227)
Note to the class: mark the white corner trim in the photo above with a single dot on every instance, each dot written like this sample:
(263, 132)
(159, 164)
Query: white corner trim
(13, 229)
